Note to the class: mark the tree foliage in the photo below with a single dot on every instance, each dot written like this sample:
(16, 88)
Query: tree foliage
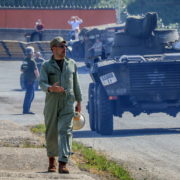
(168, 10)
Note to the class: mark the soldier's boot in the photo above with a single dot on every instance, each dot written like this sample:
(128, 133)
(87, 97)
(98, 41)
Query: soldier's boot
(62, 168)
(52, 164)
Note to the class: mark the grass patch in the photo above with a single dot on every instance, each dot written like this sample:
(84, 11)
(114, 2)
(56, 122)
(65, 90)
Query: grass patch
(38, 129)
(92, 161)
(29, 145)
(25, 143)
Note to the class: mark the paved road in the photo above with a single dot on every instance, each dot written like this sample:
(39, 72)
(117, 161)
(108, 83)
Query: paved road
(148, 145)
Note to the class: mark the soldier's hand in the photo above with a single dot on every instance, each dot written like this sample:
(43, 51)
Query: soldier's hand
(56, 88)
(78, 107)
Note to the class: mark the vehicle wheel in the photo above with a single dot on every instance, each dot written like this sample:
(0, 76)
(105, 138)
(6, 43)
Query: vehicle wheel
(105, 114)
(91, 106)
(22, 81)
(166, 36)
(96, 108)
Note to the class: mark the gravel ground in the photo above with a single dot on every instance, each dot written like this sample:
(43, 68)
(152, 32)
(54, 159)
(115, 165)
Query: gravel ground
(22, 163)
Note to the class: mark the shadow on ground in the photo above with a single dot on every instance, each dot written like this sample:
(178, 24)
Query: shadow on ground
(83, 70)
(128, 132)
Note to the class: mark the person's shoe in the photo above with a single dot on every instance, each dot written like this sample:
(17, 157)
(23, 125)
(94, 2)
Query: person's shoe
(62, 168)
(52, 164)
(28, 112)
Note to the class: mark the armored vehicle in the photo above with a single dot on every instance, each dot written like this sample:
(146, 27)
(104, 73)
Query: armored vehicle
(105, 33)
(142, 75)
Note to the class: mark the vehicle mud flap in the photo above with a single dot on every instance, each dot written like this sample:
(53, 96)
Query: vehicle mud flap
(105, 115)
(91, 107)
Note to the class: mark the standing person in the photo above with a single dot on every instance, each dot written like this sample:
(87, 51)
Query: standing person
(75, 21)
(97, 48)
(30, 72)
(39, 61)
(59, 79)
(39, 28)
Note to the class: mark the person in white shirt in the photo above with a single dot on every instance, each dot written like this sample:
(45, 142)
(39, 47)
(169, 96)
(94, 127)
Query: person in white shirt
(75, 22)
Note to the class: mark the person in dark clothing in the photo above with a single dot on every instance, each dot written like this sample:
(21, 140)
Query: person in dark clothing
(30, 71)
(39, 28)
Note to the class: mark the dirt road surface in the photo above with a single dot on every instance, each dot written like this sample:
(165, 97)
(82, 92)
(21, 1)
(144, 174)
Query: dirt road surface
(147, 145)
(16, 161)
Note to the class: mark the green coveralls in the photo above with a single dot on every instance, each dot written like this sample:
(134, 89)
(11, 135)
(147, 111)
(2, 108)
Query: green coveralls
(59, 107)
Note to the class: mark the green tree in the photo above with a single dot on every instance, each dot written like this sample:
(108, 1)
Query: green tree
(168, 10)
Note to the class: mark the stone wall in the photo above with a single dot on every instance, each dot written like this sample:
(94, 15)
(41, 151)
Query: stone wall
(20, 34)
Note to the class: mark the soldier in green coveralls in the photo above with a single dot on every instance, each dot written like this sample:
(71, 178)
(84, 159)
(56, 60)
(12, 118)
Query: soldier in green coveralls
(59, 79)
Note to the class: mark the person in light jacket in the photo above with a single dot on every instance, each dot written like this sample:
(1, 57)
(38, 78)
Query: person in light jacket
(59, 79)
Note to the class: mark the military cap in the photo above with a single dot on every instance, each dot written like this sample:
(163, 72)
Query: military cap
(57, 41)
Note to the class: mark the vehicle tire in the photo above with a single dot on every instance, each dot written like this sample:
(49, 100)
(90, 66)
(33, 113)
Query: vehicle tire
(166, 36)
(105, 114)
(91, 107)
(95, 108)
(22, 81)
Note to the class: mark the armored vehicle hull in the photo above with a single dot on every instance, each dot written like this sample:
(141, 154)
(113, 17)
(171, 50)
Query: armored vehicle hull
(134, 84)
(142, 76)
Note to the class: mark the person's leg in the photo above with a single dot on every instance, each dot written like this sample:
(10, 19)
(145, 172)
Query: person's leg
(65, 133)
(32, 94)
(51, 121)
(51, 135)
(40, 36)
(65, 140)
(72, 35)
(29, 95)
(32, 36)
(65, 136)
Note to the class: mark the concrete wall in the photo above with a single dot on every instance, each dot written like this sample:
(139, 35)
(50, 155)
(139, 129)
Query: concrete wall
(19, 34)
(54, 19)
